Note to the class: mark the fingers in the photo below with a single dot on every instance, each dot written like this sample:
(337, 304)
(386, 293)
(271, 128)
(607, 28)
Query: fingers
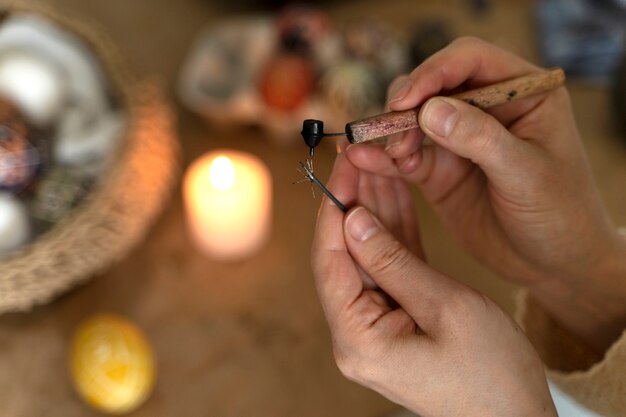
(367, 193)
(382, 190)
(437, 171)
(408, 280)
(387, 204)
(343, 184)
(410, 227)
(372, 158)
(474, 135)
(337, 280)
(402, 145)
(400, 82)
(396, 211)
(466, 59)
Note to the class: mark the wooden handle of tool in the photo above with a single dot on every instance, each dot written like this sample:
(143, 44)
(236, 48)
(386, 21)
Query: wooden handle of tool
(385, 124)
(527, 85)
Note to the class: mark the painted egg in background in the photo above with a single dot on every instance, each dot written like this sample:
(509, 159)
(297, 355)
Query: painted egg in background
(20, 158)
(353, 88)
(111, 364)
(287, 82)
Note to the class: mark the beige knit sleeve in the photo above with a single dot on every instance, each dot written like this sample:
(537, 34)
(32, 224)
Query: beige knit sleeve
(596, 381)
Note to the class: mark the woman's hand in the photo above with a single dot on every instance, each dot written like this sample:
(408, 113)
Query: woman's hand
(405, 330)
(512, 184)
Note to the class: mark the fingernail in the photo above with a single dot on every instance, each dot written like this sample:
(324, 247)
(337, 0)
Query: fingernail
(341, 145)
(361, 225)
(394, 140)
(407, 165)
(439, 116)
(402, 91)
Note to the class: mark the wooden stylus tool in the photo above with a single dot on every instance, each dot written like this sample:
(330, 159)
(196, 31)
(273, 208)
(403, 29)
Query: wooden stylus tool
(385, 124)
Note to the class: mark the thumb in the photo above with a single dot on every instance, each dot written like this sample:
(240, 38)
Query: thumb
(419, 289)
(471, 133)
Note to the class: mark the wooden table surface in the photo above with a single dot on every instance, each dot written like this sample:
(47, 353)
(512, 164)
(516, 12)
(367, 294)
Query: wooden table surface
(249, 339)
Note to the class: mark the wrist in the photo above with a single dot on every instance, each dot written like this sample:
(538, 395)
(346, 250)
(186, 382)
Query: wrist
(592, 307)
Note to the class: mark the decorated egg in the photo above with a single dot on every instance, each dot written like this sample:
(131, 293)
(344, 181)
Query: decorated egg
(287, 82)
(19, 161)
(300, 27)
(19, 158)
(373, 42)
(111, 363)
(353, 88)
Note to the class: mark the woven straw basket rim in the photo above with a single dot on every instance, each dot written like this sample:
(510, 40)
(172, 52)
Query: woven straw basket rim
(128, 196)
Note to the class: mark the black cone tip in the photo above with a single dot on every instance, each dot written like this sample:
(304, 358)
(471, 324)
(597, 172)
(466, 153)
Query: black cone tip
(312, 132)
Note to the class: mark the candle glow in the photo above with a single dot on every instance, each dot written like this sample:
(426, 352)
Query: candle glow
(228, 204)
(222, 173)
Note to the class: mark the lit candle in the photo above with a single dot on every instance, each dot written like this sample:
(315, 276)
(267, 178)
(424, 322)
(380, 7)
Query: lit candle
(228, 202)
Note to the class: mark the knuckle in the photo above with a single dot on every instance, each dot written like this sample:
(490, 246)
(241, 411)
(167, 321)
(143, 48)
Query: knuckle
(395, 84)
(358, 361)
(458, 307)
(465, 311)
(392, 257)
(483, 133)
(348, 364)
(358, 357)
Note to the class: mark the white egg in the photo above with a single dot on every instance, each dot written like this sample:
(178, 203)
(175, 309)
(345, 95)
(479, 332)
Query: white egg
(35, 85)
(14, 223)
(83, 74)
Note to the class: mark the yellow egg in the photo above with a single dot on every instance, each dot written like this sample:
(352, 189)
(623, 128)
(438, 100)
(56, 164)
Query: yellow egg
(111, 364)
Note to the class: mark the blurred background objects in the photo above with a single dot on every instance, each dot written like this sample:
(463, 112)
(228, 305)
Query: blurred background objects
(246, 336)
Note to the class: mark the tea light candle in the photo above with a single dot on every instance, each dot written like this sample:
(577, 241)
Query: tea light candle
(228, 201)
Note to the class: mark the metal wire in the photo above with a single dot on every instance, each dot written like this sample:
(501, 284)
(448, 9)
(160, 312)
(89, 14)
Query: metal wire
(307, 171)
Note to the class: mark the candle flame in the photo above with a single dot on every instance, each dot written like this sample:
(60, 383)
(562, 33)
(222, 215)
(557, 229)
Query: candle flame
(222, 173)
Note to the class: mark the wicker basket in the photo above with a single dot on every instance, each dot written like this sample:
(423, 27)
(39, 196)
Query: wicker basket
(121, 205)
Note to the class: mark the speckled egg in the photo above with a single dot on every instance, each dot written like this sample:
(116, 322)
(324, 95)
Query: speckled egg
(111, 364)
